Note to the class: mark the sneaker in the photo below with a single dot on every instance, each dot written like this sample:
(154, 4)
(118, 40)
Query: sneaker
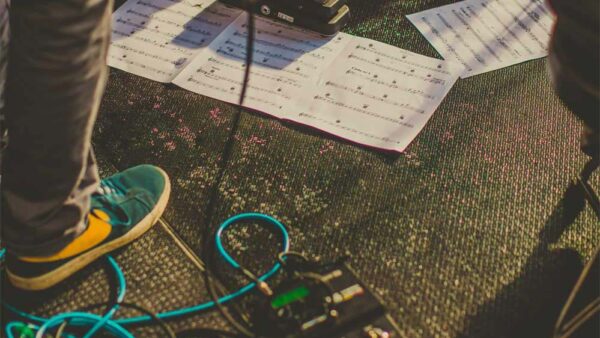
(125, 207)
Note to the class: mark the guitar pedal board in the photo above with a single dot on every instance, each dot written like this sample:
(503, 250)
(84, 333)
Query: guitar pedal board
(317, 301)
(326, 17)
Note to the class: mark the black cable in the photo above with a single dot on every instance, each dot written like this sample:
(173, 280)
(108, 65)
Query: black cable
(240, 328)
(159, 321)
(243, 329)
(196, 332)
(169, 332)
(249, 50)
(295, 254)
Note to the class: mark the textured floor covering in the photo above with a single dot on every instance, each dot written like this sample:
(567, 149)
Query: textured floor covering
(472, 232)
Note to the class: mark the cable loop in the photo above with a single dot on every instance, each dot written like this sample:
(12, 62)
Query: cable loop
(116, 326)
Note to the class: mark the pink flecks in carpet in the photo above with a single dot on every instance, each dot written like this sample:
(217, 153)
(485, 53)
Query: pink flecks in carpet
(216, 115)
(257, 140)
(186, 134)
(170, 145)
(447, 136)
(157, 103)
(251, 143)
(328, 146)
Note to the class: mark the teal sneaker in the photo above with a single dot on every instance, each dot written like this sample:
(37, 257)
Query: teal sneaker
(125, 207)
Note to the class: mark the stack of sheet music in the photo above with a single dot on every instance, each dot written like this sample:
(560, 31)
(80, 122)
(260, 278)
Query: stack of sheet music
(358, 89)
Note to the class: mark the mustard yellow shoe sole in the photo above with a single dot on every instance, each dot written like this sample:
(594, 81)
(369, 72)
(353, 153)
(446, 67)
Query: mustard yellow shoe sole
(66, 270)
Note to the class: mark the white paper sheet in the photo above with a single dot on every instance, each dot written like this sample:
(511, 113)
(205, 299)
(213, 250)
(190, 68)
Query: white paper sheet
(156, 39)
(358, 89)
(485, 35)
(287, 62)
(379, 95)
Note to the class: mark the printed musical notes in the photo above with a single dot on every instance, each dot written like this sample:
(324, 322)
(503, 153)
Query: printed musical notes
(287, 61)
(361, 90)
(485, 35)
(379, 95)
(158, 38)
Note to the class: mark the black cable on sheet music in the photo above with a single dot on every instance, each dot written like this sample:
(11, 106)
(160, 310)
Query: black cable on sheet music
(208, 244)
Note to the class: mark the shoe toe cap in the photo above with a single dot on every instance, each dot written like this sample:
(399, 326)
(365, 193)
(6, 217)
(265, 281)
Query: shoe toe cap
(151, 179)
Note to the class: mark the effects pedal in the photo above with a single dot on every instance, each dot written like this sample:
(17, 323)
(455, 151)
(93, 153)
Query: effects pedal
(326, 17)
(317, 301)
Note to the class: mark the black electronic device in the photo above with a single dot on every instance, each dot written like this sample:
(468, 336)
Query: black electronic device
(322, 300)
(326, 17)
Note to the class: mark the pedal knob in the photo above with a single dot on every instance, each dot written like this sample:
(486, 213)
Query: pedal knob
(266, 10)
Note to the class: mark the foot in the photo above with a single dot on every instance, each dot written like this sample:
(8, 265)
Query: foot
(126, 206)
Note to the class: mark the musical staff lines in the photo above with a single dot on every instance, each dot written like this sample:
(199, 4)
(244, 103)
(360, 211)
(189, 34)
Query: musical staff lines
(485, 35)
(164, 35)
(355, 88)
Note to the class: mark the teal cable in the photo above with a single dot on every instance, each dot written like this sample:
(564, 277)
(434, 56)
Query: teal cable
(115, 326)
(120, 297)
(248, 217)
(238, 293)
(78, 318)
(18, 325)
(84, 319)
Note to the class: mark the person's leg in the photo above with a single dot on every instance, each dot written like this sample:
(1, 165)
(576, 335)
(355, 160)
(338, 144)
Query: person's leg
(56, 77)
(56, 217)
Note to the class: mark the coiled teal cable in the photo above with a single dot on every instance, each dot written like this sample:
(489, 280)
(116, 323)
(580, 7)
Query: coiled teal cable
(116, 326)
(78, 318)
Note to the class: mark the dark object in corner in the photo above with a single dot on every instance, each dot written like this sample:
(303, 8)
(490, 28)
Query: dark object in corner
(581, 315)
(575, 65)
(326, 17)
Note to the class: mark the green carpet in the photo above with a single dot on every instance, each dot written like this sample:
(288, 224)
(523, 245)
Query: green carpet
(470, 233)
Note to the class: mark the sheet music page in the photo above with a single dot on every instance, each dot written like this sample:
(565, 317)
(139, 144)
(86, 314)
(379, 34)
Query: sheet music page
(485, 35)
(156, 39)
(378, 95)
(287, 62)
(361, 90)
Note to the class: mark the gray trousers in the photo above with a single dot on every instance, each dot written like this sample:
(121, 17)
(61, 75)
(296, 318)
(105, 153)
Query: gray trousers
(55, 78)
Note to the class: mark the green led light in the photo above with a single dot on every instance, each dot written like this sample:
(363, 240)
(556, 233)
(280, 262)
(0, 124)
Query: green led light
(289, 297)
(24, 331)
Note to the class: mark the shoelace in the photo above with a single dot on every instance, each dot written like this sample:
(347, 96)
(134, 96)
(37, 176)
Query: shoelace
(108, 188)
(108, 194)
